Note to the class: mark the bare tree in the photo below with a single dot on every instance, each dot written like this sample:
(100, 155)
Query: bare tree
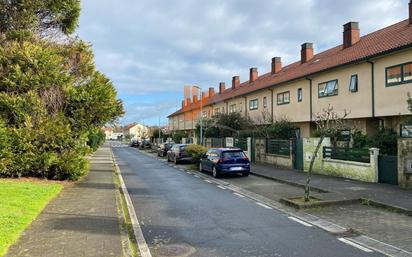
(328, 123)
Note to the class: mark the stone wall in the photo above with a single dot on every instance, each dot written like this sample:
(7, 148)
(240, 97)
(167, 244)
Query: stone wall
(404, 160)
(277, 160)
(367, 172)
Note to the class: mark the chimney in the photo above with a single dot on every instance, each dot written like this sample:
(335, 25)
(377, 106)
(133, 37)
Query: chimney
(222, 87)
(276, 64)
(183, 104)
(204, 95)
(253, 74)
(351, 34)
(211, 91)
(235, 82)
(195, 99)
(410, 12)
(306, 54)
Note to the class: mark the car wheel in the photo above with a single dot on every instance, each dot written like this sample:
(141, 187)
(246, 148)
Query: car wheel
(215, 173)
(168, 159)
(245, 174)
(200, 167)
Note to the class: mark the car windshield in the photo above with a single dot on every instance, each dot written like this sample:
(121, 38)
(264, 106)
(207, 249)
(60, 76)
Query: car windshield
(182, 147)
(233, 154)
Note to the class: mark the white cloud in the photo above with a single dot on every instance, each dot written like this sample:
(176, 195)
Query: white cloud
(152, 46)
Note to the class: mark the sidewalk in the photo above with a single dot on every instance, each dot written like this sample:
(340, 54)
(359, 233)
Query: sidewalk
(81, 221)
(341, 188)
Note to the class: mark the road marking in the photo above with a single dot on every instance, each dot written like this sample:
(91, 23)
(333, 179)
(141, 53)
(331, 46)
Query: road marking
(264, 205)
(221, 187)
(197, 176)
(208, 181)
(360, 247)
(300, 221)
(188, 172)
(239, 195)
(138, 233)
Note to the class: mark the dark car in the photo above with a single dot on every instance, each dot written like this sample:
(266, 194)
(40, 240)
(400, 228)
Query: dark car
(134, 143)
(145, 144)
(163, 148)
(221, 161)
(178, 154)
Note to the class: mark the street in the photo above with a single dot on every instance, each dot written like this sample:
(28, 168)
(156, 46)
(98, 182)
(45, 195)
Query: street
(181, 214)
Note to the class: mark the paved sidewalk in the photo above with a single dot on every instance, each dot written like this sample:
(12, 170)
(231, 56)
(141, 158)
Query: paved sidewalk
(81, 221)
(341, 188)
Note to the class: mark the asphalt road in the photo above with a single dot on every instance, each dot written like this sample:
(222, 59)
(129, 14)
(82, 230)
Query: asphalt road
(184, 215)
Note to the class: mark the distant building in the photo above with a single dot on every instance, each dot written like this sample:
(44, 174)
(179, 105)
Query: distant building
(137, 131)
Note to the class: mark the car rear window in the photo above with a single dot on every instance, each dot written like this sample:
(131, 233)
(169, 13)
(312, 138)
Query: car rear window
(233, 154)
(182, 147)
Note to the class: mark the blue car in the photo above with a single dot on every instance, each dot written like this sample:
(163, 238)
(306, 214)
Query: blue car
(221, 161)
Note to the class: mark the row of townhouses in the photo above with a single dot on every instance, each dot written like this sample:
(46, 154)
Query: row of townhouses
(370, 76)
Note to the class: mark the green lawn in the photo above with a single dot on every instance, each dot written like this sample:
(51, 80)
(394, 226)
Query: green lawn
(20, 203)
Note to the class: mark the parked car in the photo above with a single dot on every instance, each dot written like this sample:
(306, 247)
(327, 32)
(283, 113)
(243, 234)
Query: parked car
(221, 161)
(145, 144)
(178, 154)
(134, 142)
(163, 149)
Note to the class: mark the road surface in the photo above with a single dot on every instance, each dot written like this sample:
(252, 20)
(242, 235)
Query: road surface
(184, 215)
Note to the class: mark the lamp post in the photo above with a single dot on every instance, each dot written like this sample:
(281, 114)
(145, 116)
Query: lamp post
(159, 127)
(201, 114)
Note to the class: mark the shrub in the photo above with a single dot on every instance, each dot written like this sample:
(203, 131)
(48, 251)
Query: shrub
(196, 152)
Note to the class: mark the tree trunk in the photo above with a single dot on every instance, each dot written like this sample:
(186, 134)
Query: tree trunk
(309, 175)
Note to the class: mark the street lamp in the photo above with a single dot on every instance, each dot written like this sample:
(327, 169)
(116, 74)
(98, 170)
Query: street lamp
(201, 114)
(159, 126)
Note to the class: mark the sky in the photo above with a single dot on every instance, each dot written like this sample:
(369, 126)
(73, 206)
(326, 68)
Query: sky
(150, 49)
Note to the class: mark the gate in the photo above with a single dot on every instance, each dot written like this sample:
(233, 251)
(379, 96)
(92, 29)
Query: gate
(388, 169)
(247, 145)
(298, 154)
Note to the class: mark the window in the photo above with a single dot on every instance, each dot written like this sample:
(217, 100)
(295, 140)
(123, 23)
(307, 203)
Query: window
(329, 88)
(232, 108)
(399, 74)
(299, 94)
(240, 106)
(353, 85)
(223, 109)
(265, 102)
(217, 110)
(204, 114)
(284, 98)
(407, 72)
(253, 104)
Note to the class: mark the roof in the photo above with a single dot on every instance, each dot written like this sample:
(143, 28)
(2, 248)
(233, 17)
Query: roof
(393, 38)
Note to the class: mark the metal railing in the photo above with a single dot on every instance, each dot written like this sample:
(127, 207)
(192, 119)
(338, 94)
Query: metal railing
(347, 154)
(278, 147)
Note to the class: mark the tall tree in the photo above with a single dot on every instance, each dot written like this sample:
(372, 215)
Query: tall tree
(39, 15)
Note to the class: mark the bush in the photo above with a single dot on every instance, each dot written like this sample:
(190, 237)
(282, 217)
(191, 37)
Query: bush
(196, 152)
(387, 142)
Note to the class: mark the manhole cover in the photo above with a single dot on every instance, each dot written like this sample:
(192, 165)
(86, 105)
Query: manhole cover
(175, 250)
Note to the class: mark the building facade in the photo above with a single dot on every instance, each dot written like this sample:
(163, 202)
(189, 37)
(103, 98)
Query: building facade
(369, 76)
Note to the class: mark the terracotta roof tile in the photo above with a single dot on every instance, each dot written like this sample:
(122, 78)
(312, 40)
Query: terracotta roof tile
(385, 40)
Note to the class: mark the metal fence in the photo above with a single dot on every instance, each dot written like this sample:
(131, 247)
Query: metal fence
(241, 143)
(218, 142)
(278, 147)
(347, 154)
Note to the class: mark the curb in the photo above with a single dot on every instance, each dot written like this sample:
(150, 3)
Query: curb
(323, 203)
(317, 189)
(137, 231)
(392, 208)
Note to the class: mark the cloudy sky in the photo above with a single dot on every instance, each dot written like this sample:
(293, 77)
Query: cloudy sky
(152, 48)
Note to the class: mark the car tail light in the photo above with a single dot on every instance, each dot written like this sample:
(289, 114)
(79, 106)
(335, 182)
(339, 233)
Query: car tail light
(245, 158)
